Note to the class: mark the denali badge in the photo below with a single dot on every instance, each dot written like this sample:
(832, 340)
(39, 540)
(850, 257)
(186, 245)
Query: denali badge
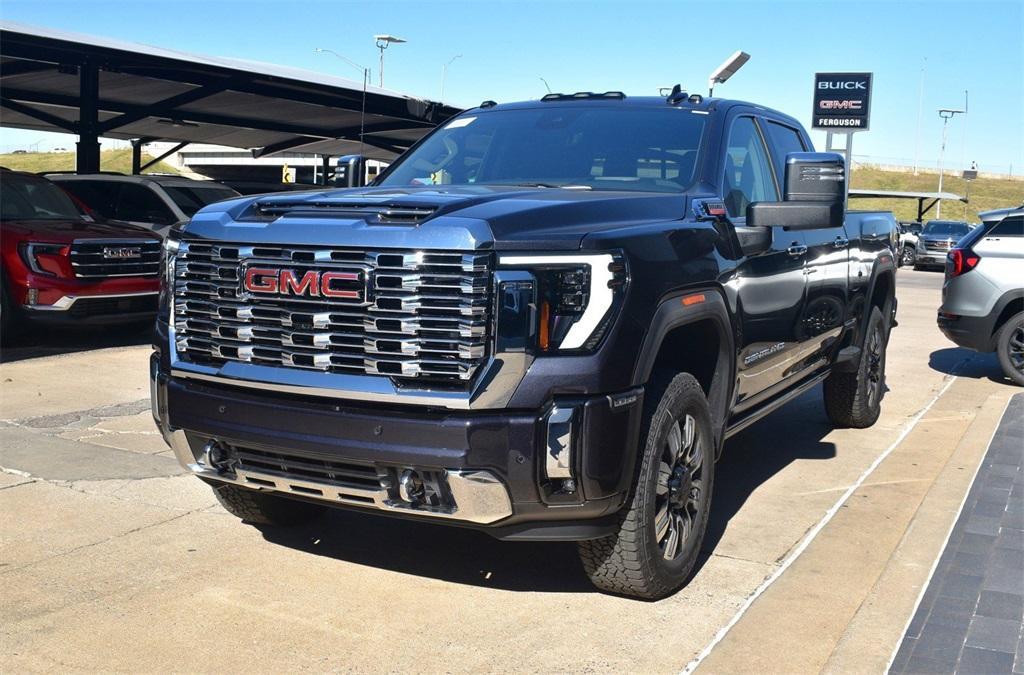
(314, 284)
(121, 252)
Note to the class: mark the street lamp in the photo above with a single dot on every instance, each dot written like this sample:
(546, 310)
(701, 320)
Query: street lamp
(366, 83)
(946, 114)
(383, 42)
(444, 73)
(727, 70)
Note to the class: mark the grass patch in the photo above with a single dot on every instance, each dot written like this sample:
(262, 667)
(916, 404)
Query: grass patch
(110, 160)
(985, 193)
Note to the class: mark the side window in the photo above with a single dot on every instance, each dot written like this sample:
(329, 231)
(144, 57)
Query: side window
(1008, 227)
(748, 171)
(100, 196)
(141, 204)
(785, 140)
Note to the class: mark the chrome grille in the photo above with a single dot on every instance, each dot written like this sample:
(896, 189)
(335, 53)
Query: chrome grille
(102, 258)
(937, 245)
(421, 315)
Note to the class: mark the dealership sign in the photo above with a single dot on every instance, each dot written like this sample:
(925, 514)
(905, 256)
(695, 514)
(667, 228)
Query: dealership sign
(842, 101)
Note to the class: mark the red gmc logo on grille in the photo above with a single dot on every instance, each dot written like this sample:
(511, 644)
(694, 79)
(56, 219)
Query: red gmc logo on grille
(313, 284)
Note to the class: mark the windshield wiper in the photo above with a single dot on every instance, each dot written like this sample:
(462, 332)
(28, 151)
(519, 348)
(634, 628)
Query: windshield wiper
(554, 185)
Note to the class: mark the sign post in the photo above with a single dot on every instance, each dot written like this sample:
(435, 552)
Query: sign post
(842, 107)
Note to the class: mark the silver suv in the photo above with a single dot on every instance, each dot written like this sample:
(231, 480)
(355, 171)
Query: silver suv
(983, 293)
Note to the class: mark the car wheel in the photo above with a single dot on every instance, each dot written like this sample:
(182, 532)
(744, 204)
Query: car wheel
(10, 321)
(855, 399)
(662, 526)
(263, 508)
(907, 256)
(1010, 348)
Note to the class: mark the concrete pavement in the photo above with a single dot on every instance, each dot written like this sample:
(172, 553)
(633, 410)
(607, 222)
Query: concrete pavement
(112, 560)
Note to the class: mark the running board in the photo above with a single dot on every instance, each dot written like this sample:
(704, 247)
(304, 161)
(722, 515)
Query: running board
(774, 404)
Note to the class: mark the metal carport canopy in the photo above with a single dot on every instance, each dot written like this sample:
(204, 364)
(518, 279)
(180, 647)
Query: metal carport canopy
(921, 198)
(52, 80)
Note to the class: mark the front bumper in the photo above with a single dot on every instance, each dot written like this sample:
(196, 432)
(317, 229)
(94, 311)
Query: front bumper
(98, 308)
(517, 474)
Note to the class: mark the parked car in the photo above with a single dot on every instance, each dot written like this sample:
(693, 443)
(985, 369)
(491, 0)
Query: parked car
(983, 294)
(909, 233)
(60, 265)
(936, 239)
(543, 321)
(255, 187)
(155, 202)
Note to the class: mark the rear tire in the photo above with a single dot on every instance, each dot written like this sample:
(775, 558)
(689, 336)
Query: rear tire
(262, 508)
(662, 526)
(1010, 348)
(855, 399)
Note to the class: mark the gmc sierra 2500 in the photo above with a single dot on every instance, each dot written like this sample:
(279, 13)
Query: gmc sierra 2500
(543, 321)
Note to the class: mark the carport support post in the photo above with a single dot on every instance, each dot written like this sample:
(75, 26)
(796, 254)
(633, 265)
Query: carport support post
(325, 169)
(87, 158)
(137, 144)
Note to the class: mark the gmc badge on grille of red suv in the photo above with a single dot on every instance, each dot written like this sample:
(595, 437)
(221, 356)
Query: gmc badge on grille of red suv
(311, 283)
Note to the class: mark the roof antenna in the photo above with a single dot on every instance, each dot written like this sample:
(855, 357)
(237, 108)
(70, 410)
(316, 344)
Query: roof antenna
(545, 84)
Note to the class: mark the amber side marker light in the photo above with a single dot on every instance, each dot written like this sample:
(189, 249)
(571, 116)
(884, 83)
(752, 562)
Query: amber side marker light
(695, 299)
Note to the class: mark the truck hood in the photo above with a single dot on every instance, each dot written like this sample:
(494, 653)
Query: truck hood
(454, 217)
(60, 231)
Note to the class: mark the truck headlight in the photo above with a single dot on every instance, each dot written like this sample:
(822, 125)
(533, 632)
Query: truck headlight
(49, 259)
(576, 296)
(168, 255)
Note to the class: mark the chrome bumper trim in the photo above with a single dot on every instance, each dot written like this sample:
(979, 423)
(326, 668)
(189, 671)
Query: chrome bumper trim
(479, 496)
(67, 302)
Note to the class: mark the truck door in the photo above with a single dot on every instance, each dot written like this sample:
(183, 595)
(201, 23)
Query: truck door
(826, 265)
(769, 286)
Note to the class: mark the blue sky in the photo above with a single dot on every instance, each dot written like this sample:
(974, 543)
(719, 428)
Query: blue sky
(637, 47)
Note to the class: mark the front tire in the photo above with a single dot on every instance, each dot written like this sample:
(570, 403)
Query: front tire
(262, 508)
(662, 527)
(1010, 348)
(855, 399)
(907, 256)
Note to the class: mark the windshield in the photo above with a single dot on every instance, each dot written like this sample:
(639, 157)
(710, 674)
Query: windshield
(30, 198)
(191, 199)
(585, 147)
(944, 228)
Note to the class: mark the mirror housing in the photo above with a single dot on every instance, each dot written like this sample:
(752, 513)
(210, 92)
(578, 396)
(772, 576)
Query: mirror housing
(814, 194)
(350, 171)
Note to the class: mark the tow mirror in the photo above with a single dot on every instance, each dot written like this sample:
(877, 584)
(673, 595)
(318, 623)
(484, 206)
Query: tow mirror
(350, 171)
(814, 195)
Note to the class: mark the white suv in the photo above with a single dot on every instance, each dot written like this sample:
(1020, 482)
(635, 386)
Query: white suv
(156, 202)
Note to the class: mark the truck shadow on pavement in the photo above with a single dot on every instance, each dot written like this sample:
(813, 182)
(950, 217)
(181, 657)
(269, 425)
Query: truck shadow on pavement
(39, 341)
(470, 557)
(966, 363)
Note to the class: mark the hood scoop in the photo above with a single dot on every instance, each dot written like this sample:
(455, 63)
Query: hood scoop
(374, 212)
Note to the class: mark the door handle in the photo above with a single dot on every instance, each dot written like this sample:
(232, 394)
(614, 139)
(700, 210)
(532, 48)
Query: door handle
(841, 243)
(796, 250)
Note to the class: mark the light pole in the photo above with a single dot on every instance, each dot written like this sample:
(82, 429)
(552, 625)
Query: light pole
(726, 70)
(946, 114)
(383, 42)
(366, 83)
(444, 73)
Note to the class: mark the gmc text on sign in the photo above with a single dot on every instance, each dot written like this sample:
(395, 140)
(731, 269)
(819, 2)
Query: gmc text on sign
(842, 101)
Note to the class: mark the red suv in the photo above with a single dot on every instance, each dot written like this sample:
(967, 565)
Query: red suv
(58, 264)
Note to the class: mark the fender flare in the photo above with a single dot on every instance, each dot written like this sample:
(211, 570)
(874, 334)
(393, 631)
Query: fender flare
(671, 314)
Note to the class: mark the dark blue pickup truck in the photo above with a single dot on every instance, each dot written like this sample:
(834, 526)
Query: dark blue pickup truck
(543, 321)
